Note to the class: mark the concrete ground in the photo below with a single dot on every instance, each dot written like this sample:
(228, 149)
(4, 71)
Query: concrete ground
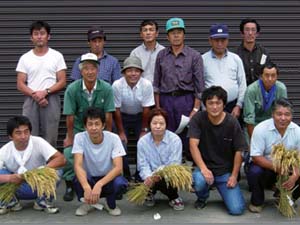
(214, 212)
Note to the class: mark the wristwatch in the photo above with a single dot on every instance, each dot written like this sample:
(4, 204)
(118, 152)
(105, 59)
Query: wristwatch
(48, 91)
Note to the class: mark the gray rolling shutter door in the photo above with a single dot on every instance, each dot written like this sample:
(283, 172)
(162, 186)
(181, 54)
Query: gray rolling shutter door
(280, 21)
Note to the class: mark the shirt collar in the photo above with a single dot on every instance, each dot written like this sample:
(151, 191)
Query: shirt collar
(164, 140)
(145, 47)
(213, 55)
(183, 52)
(272, 126)
(84, 87)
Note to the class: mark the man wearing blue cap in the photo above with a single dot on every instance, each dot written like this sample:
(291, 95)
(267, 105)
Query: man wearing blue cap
(178, 78)
(224, 68)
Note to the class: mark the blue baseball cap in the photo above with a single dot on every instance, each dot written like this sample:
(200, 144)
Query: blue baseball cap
(174, 23)
(219, 31)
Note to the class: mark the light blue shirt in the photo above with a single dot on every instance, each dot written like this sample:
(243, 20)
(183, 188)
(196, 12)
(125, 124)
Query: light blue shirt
(148, 58)
(151, 156)
(227, 72)
(265, 135)
(98, 158)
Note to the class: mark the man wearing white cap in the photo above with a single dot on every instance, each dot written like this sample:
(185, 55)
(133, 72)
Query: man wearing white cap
(85, 92)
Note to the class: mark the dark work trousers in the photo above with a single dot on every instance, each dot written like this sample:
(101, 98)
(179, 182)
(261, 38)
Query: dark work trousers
(161, 186)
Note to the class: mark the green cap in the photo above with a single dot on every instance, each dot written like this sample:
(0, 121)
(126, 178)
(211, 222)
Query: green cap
(174, 23)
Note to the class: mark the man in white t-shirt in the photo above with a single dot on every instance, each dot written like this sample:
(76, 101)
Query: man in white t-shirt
(133, 97)
(40, 76)
(97, 164)
(25, 152)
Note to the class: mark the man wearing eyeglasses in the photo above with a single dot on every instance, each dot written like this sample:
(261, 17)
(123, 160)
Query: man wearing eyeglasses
(253, 55)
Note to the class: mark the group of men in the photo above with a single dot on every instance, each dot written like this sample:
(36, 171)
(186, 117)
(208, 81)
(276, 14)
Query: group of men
(211, 89)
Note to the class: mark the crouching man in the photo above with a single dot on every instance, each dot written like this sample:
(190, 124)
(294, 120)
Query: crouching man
(26, 152)
(98, 164)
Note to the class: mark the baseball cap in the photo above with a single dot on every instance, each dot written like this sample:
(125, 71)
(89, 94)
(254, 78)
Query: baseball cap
(89, 57)
(132, 61)
(174, 23)
(95, 32)
(219, 31)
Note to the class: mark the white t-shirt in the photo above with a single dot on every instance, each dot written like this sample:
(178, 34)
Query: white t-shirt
(41, 153)
(98, 158)
(41, 70)
(132, 100)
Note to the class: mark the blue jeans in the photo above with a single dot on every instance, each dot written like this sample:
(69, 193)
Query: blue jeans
(232, 197)
(24, 192)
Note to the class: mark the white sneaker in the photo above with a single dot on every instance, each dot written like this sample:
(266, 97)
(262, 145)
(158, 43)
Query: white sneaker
(12, 206)
(177, 204)
(45, 206)
(114, 212)
(83, 209)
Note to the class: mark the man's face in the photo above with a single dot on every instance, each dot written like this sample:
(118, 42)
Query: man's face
(219, 45)
(282, 117)
(89, 72)
(132, 76)
(149, 33)
(40, 37)
(94, 128)
(269, 77)
(158, 125)
(176, 37)
(97, 45)
(250, 33)
(214, 107)
(20, 137)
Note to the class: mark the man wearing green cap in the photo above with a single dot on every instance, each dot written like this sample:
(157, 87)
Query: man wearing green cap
(178, 78)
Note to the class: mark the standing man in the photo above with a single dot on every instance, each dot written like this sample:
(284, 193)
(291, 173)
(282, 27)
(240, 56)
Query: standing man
(225, 69)
(133, 97)
(216, 142)
(109, 69)
(26, 152)
(277, 130)
(149, 49)
(253, 55)
(40, 76)
(178, 78)
(80, 94)
(261, 95)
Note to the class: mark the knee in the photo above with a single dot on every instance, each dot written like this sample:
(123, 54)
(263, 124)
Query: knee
(199, 180)
(120, 182)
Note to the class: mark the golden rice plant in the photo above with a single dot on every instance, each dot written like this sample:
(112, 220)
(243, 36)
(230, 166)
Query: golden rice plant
(7, 191)
(176, 176)
(43, 180)
(284, 162)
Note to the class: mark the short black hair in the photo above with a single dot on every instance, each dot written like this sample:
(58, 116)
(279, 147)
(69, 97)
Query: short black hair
(157, 112)
(149, 22)
(283, 102)
(39, 24)
(213, 91)
(93, 113)
(16, 122)
(270, 65)
(249, 20)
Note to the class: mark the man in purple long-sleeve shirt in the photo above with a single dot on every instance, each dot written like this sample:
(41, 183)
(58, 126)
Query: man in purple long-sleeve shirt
(178, 78)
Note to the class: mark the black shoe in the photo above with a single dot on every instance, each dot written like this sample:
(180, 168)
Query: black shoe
(200, 204)
(69, 194)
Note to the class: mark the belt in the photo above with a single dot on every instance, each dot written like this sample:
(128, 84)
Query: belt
(178, 93)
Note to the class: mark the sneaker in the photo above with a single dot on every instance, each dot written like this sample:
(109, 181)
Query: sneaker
(44, 205)
(200, 204)
(114, 212)
(83, 210)
(14, 206)
(255, 209)
(177, 204)
(149, 201)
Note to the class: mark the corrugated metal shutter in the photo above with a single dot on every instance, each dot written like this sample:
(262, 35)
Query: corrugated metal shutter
(280, 21)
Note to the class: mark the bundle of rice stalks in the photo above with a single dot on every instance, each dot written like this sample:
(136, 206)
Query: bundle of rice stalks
(284, 162)
(176, 176)
(43, 180)
(7, 191)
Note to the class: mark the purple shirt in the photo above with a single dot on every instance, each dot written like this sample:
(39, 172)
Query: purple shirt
(182, 72)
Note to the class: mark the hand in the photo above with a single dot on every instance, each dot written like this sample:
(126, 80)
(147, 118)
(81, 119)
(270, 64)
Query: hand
(43, 102)
(68, 142)
(123, 137)
(232, 181)
(236, 111)
(290, 183)
(39, 95)
(208, 175)
(151, 180)
(192, 113)
(15, 178)
(87, 195)
(96, 192)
